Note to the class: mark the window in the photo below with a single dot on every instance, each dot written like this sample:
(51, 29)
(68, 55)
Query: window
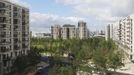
(15, 8)
(2, 5)
(2, 19)
(131, 57)
(15, 21)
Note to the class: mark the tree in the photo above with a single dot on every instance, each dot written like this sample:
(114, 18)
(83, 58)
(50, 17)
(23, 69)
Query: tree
(103, 54)
(24, 61)
(115, 60)
(100, 61)
(61, 70)
(20, 63)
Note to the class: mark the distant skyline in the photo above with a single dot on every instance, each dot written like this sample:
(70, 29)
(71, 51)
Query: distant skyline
(97, 13)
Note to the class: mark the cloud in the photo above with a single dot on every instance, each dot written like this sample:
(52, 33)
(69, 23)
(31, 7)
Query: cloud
(20, 2)
(104, 10)
(41, 22)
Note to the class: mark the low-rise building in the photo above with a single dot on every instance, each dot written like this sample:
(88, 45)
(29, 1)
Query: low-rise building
(43, 35)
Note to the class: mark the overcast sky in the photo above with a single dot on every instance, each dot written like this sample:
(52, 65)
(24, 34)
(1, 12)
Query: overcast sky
(97, 13)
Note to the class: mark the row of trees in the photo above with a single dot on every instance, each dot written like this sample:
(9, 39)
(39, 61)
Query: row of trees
(85, 55)
(32, 58)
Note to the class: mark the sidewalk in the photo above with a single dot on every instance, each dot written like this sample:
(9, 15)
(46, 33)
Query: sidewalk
(128, 68)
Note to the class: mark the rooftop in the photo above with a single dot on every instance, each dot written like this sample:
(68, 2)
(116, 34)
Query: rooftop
(68, 25)
(17, 3)
(81, 21)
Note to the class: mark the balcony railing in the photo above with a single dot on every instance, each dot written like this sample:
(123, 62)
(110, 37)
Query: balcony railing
(3, 27)
(2, 5)
(5, 50)
(24, 46)
(4, 35)
(3, 14)
(24, 34)
(17, 41)
(25, 40)
(16, 47)
(5, 43)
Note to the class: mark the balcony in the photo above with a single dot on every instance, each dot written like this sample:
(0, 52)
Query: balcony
(23, 15)
(16, 35)
(16, 21)
(16, 15)
(16, 28)
(4, 49)
(3, 26)
(128, 27)
(15, 9)
(4, 42)
(23, 11)
(3, 35)
(2, 5)
(3, 20)
(24, 35)
(24, 46)
(17, 41)
(23, 23)
(25, 39)
(5, 58)
(3, 13)
(16, 47)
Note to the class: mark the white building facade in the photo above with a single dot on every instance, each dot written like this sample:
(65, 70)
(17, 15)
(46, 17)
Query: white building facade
(82, 30)
(43, 35)
(123, 33)
(14, 34)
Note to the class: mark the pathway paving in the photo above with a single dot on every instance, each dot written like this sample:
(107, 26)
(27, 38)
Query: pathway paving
(128, 68)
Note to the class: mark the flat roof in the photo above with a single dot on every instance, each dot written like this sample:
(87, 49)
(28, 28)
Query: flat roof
(68, 25)
(15, 3)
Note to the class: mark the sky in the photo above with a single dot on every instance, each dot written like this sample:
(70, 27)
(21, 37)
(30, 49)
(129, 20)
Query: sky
(97, 13)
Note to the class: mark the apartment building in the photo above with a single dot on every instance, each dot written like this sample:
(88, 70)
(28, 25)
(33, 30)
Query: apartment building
(56, 31)
(68, 31)
(123, 33)
(109, 31)
(82, 30)
(14, 34)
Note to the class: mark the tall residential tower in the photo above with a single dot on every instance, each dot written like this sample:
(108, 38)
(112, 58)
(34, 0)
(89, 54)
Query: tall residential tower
(68, 31)
(56, 31)
(14, 34)
(123, 33)
(82, 30)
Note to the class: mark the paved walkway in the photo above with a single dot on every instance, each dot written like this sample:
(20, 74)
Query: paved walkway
(128, 68)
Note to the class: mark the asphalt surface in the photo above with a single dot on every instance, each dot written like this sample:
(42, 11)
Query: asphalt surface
(45, 70)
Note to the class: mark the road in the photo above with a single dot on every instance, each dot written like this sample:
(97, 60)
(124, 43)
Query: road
(49, 64)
